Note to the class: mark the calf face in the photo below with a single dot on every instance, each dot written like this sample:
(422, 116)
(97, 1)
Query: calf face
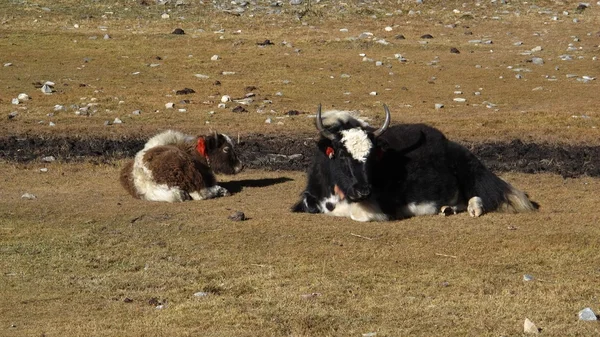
(220, 153)
(350, 154)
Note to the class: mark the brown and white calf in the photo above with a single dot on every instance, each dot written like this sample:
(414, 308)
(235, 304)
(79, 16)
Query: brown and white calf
(175, 167)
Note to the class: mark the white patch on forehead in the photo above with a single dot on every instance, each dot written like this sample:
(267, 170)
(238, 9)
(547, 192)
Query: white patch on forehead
(357, 142)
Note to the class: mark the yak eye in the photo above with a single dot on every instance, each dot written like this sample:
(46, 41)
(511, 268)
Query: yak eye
(226, 149)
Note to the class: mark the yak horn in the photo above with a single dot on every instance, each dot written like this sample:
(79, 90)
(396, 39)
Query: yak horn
(386, 123)
(324, 132)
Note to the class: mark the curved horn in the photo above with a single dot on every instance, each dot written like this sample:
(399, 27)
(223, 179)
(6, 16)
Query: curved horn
(324, 132)
(386, 123)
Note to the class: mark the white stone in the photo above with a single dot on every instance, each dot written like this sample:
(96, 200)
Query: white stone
(165, 16)
(202, 76)
(530, 327)
(587, 315)
(28, 196)
(537, 60)
(373, 93)
(44, 169)
(46, 89)
(48, 159)
(225, 99)
(214, 58)
(51, 124)
(201, 294)
(268, 120)
(23, 97)
(7, 64)
(344, 30)
(221, 106)
(388, 29)
(536, 49)
(438, 106)
(460, 100)
(527, 277)
(170, 105)
(182, 110)
(15, 101)
(117, 121)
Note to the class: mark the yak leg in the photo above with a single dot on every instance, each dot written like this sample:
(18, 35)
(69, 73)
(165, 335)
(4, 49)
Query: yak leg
(210, 193)
(448, 210)
(475, 207)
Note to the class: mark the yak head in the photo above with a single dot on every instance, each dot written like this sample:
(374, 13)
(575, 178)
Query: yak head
(218, 149)
(349, 150)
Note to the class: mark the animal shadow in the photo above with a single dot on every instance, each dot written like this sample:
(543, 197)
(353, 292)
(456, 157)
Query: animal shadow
(236, 186)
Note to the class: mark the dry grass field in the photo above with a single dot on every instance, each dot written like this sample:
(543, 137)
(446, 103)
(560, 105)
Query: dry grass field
(85, 259)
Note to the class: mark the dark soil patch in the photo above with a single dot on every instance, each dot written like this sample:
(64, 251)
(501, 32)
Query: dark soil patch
(270, 152)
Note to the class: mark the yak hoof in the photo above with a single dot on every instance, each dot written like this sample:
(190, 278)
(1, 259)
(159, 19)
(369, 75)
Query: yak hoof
(447, 210)
(475, 207)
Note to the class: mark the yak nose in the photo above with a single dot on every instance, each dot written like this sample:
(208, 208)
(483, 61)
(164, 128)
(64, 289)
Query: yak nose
(239, 167)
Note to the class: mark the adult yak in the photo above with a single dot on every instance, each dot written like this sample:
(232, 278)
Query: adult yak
(398, 171)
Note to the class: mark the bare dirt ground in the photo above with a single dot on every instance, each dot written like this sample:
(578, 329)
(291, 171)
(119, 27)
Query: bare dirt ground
(84, 258)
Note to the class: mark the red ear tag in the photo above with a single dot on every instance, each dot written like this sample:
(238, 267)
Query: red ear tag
(329, 152)
(201, 147)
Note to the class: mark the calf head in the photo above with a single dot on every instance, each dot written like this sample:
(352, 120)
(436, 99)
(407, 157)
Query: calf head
(218, 149)
(350, 152)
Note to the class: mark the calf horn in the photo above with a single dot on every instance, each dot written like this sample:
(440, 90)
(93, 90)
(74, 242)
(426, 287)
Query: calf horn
(386, 123)
(324, 132)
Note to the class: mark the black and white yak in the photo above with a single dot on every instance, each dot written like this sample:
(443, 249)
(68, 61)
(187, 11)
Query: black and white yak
(398, 171)
(175, 167)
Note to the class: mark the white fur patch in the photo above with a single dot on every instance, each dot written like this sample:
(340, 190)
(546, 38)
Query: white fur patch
(143, 180)
(424, 208)
(166, 138)
(358, 211)
(335, 117)
(357, 142)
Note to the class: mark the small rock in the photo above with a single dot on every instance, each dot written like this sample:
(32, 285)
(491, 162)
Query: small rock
(59, 107)
(178, 31)
(527, 277)
(15, 101)
(587, 315)
(12, 115)
(170, 105)
(373, 93)
(537, 60)
(460, 100)
(136, 112)
(427, 36)
(107, 123)
(537, 49)
(369, 334)
(165, 16)
(454, 50)
(201, 294)
(185, 91)
(226, 98)
(44, 169)
(399, 37)
(215, 58)
(530, 327)
(51, 124)
(107, 37)
(117, 121)
(48, 159)
(23, 97)
(239, 109)
(28, 196)
(8, 64)
(268, 121)
(438, 106)
(265, 43)
(46, 89)
(388, 29)
(202, 76)
(237, 216)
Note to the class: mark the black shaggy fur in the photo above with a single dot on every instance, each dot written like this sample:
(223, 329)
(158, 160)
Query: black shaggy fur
(410, 163)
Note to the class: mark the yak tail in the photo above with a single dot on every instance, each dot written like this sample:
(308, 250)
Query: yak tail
(476, 180)
(126, 179)
(516, 201)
